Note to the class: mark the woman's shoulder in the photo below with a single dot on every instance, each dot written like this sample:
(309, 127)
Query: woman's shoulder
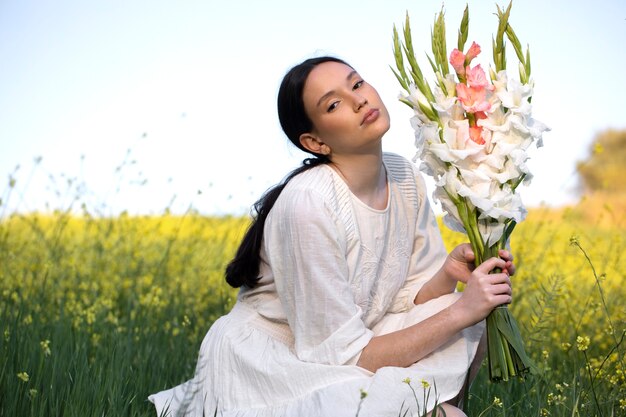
(315, 196)
(316, 186)
(315, 181)
(400, 168)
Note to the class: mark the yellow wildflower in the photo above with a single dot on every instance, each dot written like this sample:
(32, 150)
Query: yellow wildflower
(545, 354)
(407, 380)
(497, 402)
(582, 342)
(23, 376)
(90, 316)
(32, 393)
(45, 347)
(425, 384)
(557, 399)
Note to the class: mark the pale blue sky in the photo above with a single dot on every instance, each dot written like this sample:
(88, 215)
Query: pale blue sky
(199, 79)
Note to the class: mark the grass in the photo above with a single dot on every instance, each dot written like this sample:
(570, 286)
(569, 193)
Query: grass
(96, 313)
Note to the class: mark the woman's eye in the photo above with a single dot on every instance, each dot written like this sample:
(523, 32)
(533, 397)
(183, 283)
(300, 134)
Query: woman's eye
(358, 84)
(332, 106)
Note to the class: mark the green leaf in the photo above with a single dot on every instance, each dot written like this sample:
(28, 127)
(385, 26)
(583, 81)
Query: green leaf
(527, 62)
(401, 75)
(432, 63)
(463, 29)
(510, 33)
(408, 40)
(401, 80)
(499, 50)
(428, 111)
(397, 53)
(407, 102)
(438, 36)
(507, 357)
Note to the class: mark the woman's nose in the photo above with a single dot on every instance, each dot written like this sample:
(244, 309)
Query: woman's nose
(359, 101)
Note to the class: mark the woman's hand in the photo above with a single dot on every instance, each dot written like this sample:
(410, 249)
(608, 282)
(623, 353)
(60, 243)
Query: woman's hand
(485, 291)
(458, 266)
(460, 262)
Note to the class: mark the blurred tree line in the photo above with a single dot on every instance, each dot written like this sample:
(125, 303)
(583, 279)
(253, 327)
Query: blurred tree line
(605, 168)
(602, 178)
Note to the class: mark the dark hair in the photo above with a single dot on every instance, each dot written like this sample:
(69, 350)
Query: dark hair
(244, 268)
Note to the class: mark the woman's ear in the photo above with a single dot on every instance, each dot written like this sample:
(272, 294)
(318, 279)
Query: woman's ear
(313, 144)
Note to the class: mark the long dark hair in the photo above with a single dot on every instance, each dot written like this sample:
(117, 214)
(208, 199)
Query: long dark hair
(244, 268)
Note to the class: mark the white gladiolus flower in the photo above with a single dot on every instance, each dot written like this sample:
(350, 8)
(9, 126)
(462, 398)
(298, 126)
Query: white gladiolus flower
(480, 174)
(443, 104)
(491, 232)
(536, 129)
(450, 83)
(451, 219)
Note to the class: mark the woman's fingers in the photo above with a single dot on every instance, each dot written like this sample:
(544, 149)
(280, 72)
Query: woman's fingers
(505, 254)
(468, 253)
(490, 264)
(508, 257)
(496, 285)
(485, 291)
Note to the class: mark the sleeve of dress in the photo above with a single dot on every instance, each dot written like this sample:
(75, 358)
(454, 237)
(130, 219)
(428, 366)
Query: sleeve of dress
(306, 249)
(429, 252)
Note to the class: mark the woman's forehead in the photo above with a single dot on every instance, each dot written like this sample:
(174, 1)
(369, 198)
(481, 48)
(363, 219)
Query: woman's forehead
(326, 77)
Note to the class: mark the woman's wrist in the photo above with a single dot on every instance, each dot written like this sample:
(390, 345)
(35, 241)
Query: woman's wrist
(441, 283)
(446, 279)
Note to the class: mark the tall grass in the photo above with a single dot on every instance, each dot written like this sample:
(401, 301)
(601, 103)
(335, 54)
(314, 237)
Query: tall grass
(98, 312)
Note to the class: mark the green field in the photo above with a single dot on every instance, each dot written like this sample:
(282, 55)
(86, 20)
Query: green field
(96, 313)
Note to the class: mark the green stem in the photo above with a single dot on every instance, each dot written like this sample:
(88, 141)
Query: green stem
(507, 355)
(470, 223)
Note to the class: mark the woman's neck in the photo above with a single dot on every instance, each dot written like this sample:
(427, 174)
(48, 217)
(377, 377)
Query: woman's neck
(365, 176)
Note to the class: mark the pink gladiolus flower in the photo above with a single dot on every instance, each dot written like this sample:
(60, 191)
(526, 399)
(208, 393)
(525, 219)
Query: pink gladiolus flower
(476, 77)
(473, 99)
(472, 53)
(461, 61)
(475, 133)
(457, 60)
(466, 133)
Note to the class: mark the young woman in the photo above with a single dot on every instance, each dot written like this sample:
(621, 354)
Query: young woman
(345, 283)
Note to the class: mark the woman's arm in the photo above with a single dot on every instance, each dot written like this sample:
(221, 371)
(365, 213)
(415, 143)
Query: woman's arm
(482, 294)
(305, 247)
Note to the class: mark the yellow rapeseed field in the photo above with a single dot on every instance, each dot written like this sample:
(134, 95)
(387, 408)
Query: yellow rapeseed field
(107, 280)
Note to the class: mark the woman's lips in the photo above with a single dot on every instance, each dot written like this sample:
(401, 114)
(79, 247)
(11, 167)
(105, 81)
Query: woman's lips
(370, 116)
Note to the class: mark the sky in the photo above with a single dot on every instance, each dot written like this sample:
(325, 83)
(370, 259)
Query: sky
(149, 104)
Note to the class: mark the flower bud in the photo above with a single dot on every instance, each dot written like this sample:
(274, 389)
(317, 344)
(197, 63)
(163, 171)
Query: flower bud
(523, 77)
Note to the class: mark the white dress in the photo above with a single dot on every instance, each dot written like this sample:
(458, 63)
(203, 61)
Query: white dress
(337, 274)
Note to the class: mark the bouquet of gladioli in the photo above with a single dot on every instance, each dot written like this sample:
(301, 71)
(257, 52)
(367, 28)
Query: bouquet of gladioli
(472, 133)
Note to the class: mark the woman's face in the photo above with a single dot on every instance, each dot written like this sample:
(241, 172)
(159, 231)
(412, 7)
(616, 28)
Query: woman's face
(347, 113)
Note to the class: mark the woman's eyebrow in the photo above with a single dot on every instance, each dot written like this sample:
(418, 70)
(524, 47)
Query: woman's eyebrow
(331, 92)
